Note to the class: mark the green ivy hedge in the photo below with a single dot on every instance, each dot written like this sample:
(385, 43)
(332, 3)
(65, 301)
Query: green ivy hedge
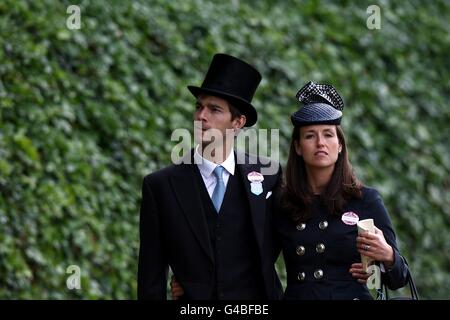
(85, 114)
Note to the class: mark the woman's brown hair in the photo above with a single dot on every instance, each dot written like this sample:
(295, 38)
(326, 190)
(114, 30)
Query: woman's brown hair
(296, 195)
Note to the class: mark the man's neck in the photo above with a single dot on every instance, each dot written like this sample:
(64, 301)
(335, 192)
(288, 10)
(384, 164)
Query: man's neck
(215, 154)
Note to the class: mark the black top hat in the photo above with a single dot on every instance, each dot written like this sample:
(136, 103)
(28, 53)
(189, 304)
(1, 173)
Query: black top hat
(322, 105)
(233, 80)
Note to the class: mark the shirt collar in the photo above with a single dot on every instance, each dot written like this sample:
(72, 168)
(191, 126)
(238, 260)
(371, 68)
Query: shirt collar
(207, 167)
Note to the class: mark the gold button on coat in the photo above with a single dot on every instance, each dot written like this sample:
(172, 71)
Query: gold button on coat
(320, 248)
(300, 250)
(323, 225)
(318, 274)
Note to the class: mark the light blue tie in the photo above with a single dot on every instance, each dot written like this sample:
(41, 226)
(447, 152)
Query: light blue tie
(219, 190)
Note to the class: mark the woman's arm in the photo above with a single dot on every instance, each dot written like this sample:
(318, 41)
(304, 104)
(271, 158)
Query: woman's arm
(382, 245)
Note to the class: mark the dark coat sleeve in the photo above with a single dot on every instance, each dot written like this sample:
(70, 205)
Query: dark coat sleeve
(396, 276)
(276, 210)
(153, 267)
(276, 243)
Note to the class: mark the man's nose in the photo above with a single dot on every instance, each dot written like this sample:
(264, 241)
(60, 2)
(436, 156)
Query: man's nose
(201, 114)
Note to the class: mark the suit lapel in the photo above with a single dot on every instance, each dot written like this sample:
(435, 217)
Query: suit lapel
(257, 203)
(188, 196)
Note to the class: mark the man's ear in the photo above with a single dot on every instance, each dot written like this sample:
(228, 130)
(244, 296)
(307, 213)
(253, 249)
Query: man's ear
(239, 122)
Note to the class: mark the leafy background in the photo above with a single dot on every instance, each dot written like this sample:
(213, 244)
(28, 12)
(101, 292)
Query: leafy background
(85, 114)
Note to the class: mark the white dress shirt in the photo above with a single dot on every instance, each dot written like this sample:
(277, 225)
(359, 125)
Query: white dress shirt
(207, 167)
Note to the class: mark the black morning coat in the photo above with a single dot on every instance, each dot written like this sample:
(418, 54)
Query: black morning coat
(174, 232)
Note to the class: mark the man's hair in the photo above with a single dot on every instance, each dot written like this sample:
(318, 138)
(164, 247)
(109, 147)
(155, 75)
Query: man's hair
(235, 113)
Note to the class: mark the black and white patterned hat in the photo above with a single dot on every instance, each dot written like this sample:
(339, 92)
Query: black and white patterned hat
(321, 105)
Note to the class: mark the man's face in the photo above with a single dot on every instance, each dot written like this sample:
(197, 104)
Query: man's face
(213, 113)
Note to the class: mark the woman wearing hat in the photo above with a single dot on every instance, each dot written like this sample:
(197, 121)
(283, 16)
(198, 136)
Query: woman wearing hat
(320, 204)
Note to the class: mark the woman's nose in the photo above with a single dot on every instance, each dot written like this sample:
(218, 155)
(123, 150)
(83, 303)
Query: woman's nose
(320, 140)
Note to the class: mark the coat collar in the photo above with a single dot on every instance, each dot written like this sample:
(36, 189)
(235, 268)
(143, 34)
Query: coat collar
(188, 196)
(257, 202)
(207, 167)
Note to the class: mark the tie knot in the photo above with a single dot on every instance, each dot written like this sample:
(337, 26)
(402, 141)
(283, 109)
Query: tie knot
(218, 172)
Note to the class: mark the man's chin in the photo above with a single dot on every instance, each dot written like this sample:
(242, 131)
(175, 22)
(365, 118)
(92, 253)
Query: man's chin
(202, 140)
(210, 145)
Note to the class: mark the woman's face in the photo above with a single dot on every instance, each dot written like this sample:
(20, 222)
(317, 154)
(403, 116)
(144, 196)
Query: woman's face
(318, 145)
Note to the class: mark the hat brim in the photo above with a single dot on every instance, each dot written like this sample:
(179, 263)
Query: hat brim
(297, 123)
(243, 106)
(316, 113)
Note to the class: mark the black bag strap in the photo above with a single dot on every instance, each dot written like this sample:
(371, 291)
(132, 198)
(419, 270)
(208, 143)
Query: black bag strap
(383, 292)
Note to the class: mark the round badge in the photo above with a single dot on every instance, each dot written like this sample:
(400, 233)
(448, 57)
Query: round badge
(350, 218)
(255, 177)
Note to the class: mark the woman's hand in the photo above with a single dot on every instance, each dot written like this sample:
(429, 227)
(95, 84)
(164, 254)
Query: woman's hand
(374, 246)
(176, 289)
(357, 271)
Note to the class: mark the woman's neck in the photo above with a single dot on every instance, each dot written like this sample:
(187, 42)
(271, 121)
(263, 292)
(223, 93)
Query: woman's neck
(318, 178)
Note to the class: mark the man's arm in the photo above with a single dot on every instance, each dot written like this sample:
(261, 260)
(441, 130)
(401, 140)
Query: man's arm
(276, 211)
(152, 269)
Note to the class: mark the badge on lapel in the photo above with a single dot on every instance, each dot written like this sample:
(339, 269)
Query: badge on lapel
(350, 218)
(256, 180)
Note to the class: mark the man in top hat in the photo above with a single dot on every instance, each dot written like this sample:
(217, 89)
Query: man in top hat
(209, 217)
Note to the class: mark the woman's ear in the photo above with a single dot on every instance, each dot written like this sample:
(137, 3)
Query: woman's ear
(298, 148)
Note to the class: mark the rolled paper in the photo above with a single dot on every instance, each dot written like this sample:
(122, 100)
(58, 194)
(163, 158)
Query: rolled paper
(365, 225)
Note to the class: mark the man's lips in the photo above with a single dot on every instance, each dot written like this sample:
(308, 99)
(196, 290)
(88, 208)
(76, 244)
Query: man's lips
(201, 128)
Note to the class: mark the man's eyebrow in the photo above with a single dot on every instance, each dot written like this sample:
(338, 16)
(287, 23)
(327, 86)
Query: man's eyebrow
(212, 105)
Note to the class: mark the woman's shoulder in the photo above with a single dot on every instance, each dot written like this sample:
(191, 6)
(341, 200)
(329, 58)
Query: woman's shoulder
(369, 196)
(370, 193)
